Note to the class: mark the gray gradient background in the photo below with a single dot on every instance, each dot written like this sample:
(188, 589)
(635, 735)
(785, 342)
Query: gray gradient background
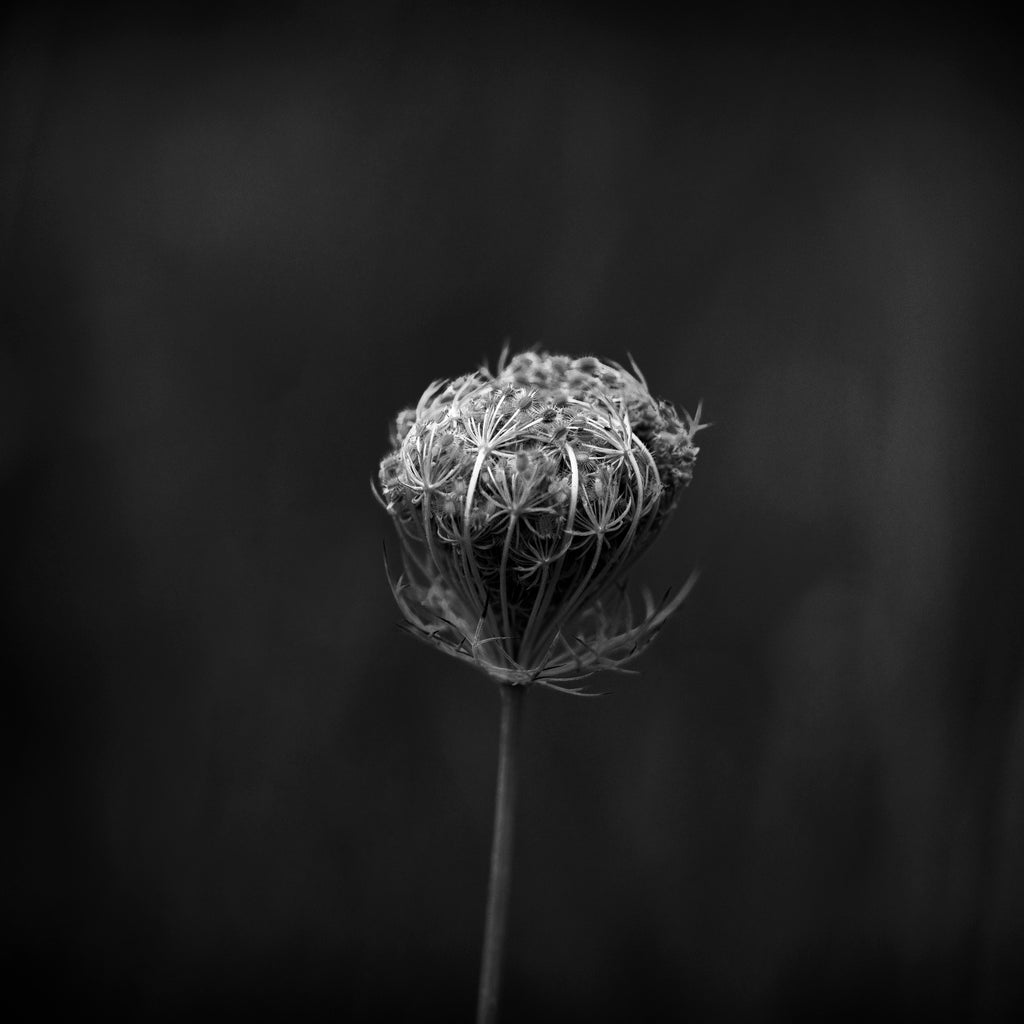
(234, 245)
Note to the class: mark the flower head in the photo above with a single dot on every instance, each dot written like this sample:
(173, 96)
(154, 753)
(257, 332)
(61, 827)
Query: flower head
(521, 498)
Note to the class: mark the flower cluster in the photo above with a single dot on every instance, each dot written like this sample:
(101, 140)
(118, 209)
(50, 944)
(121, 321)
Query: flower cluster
(521, 498)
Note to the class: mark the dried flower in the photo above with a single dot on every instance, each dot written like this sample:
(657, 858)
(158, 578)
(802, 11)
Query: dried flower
(521, 498)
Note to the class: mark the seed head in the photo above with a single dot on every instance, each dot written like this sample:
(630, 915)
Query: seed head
(521, 499)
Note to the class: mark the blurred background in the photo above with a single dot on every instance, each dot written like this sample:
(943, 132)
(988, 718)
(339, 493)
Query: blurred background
(234, 244)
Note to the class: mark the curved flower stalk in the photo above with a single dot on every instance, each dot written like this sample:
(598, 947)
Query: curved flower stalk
(521, 499)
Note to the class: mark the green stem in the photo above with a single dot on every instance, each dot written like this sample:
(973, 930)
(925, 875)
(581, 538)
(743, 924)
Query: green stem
(501, 855)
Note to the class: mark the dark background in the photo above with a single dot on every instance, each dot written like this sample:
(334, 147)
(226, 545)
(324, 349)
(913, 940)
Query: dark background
(235, 244)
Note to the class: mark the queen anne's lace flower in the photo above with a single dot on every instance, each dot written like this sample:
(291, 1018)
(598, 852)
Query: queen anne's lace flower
(520, 499)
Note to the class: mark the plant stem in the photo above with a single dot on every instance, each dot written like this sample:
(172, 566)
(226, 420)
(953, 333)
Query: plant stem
(501, 854)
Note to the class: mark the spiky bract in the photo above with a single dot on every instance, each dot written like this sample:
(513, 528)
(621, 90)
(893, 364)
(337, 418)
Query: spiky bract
(521, 497)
